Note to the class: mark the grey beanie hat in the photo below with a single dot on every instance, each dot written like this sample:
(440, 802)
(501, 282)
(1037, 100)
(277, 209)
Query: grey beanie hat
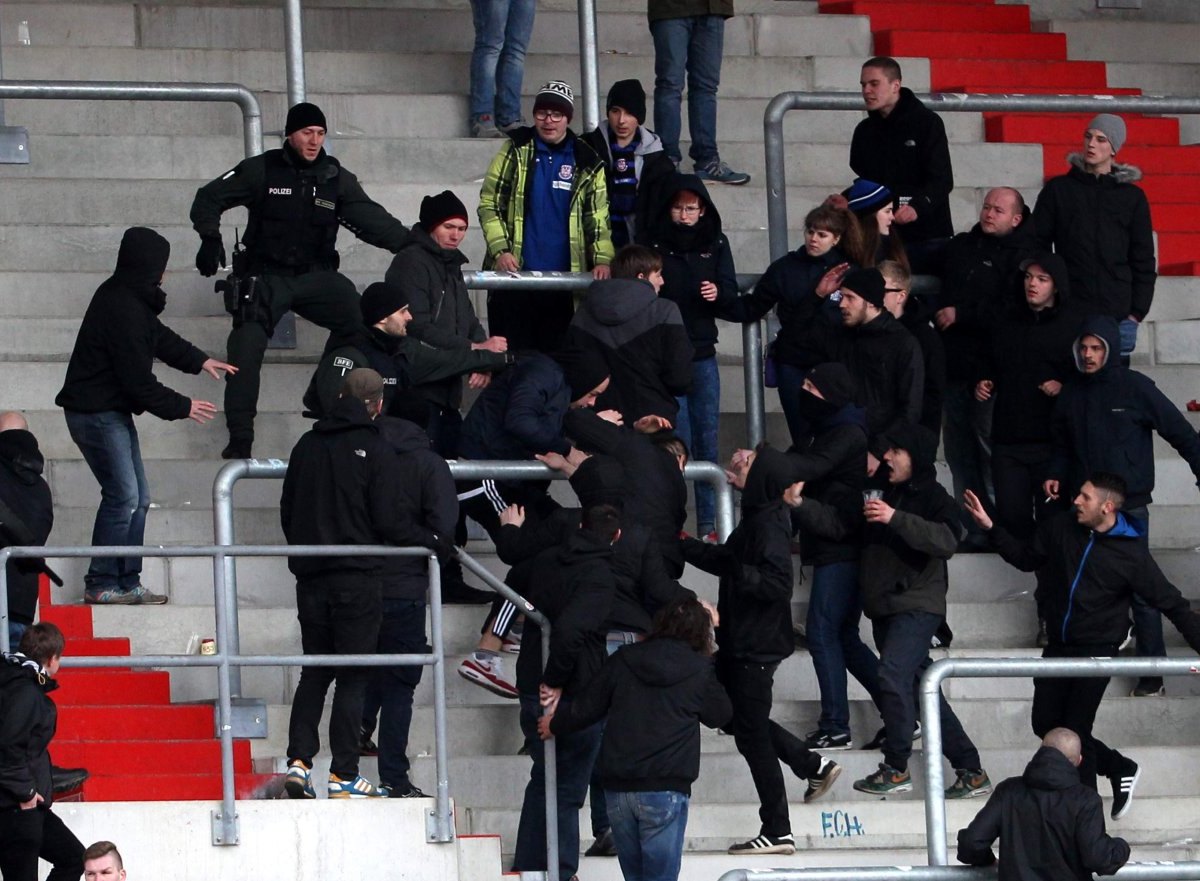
(1113, 128)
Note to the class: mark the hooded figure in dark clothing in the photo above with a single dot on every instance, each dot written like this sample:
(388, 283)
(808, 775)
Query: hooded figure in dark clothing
(26, 517)
(1050, 826)
(110, 378)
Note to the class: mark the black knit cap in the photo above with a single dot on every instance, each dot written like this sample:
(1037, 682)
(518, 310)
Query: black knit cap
(834, 383)
(436, 210)
(630, 97)
(867, 283)
(380, 300)
(583, 370)
(303, 115)
(600, 480)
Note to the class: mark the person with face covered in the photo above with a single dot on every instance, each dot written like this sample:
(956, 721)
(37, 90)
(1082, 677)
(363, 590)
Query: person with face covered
(826, 504)
(110, 378)
(699, 276)
(754, 566)
(909, 535)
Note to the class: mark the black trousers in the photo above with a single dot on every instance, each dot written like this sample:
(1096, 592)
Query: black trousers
(325, 298)
(530, 319)
(27, 836)
(339, 615)
(1072, 703)
(763, 743)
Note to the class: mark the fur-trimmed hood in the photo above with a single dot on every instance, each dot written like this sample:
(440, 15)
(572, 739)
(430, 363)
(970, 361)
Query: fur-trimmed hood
(1122, 174)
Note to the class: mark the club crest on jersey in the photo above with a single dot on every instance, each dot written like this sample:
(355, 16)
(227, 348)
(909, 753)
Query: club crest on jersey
(622, 165)
(565, 171)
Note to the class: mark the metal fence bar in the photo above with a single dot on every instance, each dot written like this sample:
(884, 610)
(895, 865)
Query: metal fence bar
(589, 69)
(1009, 668)
(293, 35)
(80, 90)
(1162, 871)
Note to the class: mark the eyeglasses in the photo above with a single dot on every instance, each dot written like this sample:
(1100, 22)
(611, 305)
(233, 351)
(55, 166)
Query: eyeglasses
(552, 115)
(686, 209)
(893, 290)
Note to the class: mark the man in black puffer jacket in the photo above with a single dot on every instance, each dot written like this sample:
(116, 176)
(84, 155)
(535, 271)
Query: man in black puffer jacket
(755, 635)
(1050, 826)
(910, 534)
(29, 829)
(110, 379)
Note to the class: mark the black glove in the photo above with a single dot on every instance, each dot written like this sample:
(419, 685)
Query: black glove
(210, 256)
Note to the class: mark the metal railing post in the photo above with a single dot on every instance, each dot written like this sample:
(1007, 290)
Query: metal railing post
(441, 826)
(588, 64)
(75, 90)
(293, 34)
(225, 830)
(225, 567)
(931, 733)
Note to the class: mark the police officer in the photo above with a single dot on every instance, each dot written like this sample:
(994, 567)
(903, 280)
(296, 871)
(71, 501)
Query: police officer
(296, 197)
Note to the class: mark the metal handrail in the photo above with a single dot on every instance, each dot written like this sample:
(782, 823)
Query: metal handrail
(1181, 871)
(774, 147)
(81, 90)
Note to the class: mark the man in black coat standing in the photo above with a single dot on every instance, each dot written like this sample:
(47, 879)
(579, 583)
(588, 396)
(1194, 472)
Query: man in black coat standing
(902, 145)
(110, 379)
(1050, 826)
(29, 829)
(26, 517)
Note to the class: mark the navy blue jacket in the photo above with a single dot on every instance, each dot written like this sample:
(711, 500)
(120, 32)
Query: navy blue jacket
(520, 414)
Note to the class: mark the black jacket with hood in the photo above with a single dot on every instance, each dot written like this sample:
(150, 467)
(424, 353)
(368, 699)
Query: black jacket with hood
(904, 562)
(1027, 349)
(26, 517)
(1050, 826)
(520, 413)
(981, 281)
(754, 566)
(442, 314)
(1100, 224)
(833, 466)
(340, 489)
(642, 339)
(1106, 422)
(691, 255)
(1086, 580)
(915, 319)
(426, 497)
(572, 585)
(112, 364)
(653, 694)
(652, 168)
(907, 151)
(27, 725)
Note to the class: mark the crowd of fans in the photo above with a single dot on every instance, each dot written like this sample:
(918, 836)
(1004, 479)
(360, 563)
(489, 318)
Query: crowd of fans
(1017, 362)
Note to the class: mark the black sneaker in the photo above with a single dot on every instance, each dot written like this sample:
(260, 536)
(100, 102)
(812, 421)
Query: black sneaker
(1123, 785)
(766, 844)
(367, 746)
(1149, 686)
(405, 791)
(822, 781)
(1043, 638)
(65, 779)
(881, 735)
(236, 449)
(603, 846)
(718, 172)
(826, 742)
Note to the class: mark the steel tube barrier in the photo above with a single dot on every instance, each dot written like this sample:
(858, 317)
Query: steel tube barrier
(293, 36)
(1008, 668)
(79, 90)
(439, 821)
(1159, 871)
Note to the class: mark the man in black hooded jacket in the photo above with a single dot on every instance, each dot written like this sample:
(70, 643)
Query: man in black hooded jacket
(110, 379)
(1050, 826)
(26, 516)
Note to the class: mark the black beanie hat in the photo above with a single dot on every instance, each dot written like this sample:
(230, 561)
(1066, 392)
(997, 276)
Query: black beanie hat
(630, 97)
(583, 369)
(436, 210)
(555, 95)
(380, 300)
(600, 480)
(303, 115)
(867, 283)
(834, 383)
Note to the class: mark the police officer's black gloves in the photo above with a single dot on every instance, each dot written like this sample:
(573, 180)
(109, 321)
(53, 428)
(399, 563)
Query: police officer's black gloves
(211, 256)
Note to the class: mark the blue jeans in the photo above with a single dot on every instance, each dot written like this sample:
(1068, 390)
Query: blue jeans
(648, 831)
(390, 689)
(576, 753)
(15, 631)
(1129, 332)
(502, 32)
(834, 610)
(691, 46)
(699, 412)
(109, 443)
(791, 382)
(903, 644)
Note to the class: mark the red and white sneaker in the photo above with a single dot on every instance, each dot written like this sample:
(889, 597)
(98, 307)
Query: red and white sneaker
(488, 672)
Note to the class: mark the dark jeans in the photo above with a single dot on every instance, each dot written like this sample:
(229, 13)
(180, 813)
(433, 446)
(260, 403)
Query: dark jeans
(927, 257)
(791, 382)
(15, 631)
(648, 830)
(1147, 620)
(390, 689)
(1072, 703)
(444, 427)
(692, 45)
(324, 297)
(27, 836)
(535, 320)
(763, 743)
(1018, 472)
(109, 443)
(339, 615)
(834, 611)
(575, 756)
(903, 644)
(697, 426)
(967, 442)
(502, 32)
